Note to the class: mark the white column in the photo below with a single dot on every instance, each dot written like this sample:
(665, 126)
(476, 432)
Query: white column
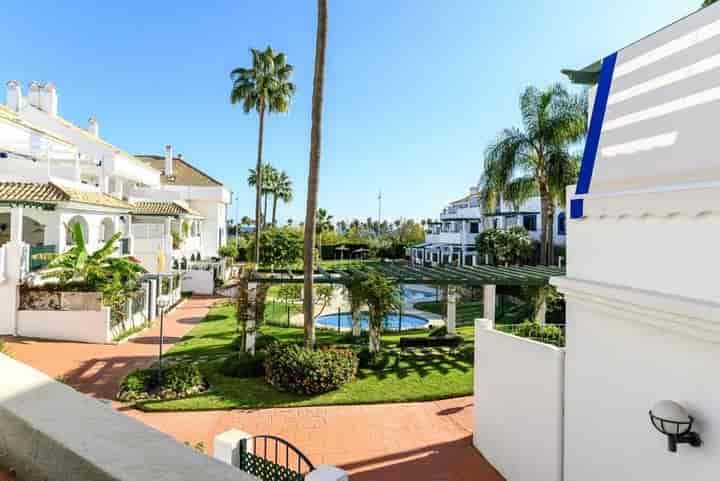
(462, 242)
(451, 309)
(227, 448)
(489, 302)
(77, 171)
(16, 224)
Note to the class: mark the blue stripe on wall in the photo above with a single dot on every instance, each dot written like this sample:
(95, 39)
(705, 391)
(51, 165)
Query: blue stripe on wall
(596, 123)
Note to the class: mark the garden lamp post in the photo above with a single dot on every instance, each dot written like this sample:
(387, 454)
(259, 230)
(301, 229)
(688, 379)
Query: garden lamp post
(162, 303)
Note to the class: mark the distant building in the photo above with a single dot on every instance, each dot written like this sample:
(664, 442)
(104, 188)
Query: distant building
(451, 240)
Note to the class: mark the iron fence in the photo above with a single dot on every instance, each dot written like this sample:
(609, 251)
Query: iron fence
(273, 459)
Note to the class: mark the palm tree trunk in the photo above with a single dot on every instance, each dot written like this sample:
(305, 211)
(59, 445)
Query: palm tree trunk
(544, 201)
(550, 217)
(265, 197)
(275, 201)
(314, 168)
(258, 184)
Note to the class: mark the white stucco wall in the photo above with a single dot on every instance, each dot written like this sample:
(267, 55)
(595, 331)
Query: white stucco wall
(50, 431)
(518, 405)
(82, 326)
(198, 282)
(213, 222)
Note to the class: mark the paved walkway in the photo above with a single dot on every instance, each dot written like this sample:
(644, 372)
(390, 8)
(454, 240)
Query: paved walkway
(97, 369)
(417, 441)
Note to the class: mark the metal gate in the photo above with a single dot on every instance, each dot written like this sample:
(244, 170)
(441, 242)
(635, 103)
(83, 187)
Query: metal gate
(273, 459)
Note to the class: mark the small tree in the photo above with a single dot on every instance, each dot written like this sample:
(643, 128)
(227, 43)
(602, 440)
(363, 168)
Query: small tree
(356, 298)
(282, 247)
(383, 297)
(289, 292)
(512, 246)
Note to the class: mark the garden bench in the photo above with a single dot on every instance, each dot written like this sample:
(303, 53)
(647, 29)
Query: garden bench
(453, 342)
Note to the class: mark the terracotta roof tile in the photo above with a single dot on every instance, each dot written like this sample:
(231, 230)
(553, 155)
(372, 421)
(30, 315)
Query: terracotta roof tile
(184, 173)
(162, 208)
(49, 193)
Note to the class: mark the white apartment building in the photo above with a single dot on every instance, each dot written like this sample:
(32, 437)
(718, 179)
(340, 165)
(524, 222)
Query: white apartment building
(54, 173)
(451, 239)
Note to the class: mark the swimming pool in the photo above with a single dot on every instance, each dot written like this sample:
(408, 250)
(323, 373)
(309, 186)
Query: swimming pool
(392, 323)
(416, 294)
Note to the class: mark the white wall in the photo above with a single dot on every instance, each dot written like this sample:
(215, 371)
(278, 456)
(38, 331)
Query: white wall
(618, 365)
(214, 214)
(518, 405)
(198, 282)
(82, 326)
(50, 431)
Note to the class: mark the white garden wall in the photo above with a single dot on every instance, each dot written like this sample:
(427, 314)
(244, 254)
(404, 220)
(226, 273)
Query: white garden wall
(50, 431)
(198, 282)
(518, 405)
(82, 326)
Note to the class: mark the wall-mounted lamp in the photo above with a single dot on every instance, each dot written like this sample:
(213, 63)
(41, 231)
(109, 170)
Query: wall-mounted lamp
(672, 420)
(122, 219)
(3, 227)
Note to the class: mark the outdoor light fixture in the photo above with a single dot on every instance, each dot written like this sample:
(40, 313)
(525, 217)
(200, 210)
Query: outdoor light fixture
(672, 420)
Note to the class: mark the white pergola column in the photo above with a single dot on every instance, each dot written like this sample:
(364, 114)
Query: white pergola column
(489, 302)
(451, 309)
(16, 224)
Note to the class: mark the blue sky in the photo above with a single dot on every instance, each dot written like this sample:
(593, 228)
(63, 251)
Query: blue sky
(415, 89)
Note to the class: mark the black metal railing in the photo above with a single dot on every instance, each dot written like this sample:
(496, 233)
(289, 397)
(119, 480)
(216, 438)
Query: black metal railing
(271, 458)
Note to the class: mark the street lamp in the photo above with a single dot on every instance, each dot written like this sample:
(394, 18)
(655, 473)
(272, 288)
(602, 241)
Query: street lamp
(162, 302)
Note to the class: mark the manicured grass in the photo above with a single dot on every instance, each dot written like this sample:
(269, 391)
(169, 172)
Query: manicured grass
(413, 376)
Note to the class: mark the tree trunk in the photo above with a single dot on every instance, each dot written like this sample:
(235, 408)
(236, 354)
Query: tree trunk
(374, 342)
(313, 173)
(544, 200)
(355, 321)
(258, 184)
(550, 217)
(275, 201)
(265, 210)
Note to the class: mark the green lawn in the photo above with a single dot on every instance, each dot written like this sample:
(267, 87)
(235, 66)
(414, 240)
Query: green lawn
(420, 376)
(467, 311)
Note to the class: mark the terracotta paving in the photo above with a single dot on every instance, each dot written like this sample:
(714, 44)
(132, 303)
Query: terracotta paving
(97, 369)
(429, 441)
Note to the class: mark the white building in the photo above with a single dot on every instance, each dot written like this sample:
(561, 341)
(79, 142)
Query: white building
(452, 238)
(69, 174)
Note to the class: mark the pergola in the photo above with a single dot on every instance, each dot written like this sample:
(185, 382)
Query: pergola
(405, 273)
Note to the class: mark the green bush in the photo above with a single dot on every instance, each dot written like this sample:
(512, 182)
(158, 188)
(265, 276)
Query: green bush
(294, 368)
(178, 380)
(439, 331)
(540, 332)
(376, 361)
(244, 365)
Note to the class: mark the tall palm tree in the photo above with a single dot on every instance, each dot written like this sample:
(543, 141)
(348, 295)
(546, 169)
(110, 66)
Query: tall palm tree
(707, 3)
(282, 189)
(268, 175)
(313, 172)
(265, 88)
(537, 157)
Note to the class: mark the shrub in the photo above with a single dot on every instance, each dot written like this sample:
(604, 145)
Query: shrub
(178, 380)
(244, 365)
(439, 331)
(540, 332)
(372, 360)
(293, 368)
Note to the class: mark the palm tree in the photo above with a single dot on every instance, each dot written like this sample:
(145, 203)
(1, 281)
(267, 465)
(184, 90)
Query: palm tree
(246, 220)
(313, 172)
(707, 3)
(537, 157)
(265, 88)
(282, 189)
(268, 175)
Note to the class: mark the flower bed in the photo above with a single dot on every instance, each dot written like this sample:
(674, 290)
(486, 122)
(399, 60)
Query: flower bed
(178, 380)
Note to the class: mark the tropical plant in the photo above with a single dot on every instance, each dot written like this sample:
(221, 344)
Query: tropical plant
(382, 297)
(246, 220)
(289, 292)
(512, 246)
(707, 3)
(323, 297)
(537, 157)
(282, 189)
(268, 175)
(314, 172)
(94, 270)
(265, 87)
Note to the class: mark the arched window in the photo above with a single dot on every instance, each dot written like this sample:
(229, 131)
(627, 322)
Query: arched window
(69, 229)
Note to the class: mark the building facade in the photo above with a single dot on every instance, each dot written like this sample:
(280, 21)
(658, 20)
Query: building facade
(451, 239)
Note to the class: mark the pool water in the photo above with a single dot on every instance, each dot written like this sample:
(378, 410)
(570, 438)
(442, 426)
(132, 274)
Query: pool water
(392, 323)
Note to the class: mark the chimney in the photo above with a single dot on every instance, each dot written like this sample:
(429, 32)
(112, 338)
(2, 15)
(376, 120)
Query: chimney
(180, 157)
(49, 99)
(34, 95)
(93, 126)
(168, 161)
(13, 96)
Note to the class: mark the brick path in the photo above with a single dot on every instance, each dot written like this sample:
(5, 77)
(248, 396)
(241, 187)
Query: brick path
(410, 442)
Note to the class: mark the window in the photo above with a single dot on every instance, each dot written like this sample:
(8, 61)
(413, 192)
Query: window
(561, 223)
(530, 222)
(474, 227)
